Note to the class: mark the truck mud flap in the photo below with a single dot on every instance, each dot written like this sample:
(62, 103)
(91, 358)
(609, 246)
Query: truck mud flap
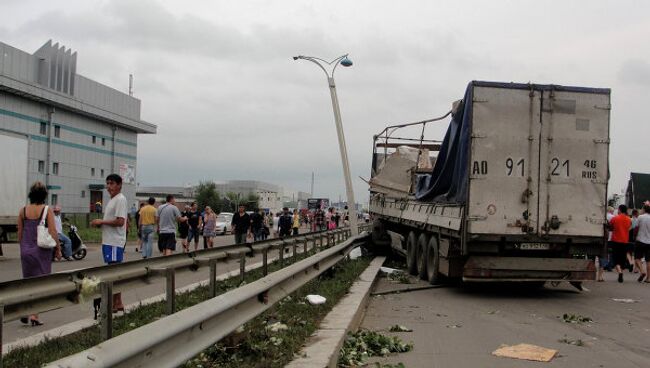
(485, 268)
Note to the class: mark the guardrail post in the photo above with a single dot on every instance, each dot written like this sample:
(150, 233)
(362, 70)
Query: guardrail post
(213, 278)
(170, 290)
(305, 242)
(320, 241)
(294, 245)
(106, 310)
(2, 321)
(265, 261)
(242, 266)
(281, 256)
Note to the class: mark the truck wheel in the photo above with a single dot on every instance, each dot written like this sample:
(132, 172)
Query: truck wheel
(433, 261)
(411, 253)
(381, 241)
(421, 255)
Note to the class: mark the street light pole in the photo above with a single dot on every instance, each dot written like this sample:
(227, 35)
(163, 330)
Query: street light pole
(343, 60)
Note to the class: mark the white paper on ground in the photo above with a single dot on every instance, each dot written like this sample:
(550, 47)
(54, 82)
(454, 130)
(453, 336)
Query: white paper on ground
(315, 299)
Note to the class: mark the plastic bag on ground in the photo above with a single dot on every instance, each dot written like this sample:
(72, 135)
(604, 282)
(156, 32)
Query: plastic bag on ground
(316, 299)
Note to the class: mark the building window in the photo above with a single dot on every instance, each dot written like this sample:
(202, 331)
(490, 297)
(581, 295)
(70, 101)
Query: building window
(55, 168)
(43, 128)
(102, 173)
(103, 141)
(83, 194)
(57, 131)
(41, 167)
(54, 200)
(94, 139)
(92, 171)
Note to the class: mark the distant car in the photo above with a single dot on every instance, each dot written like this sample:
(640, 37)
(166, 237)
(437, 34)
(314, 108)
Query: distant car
(224, 220)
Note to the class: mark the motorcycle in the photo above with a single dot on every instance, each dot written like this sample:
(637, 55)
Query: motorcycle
(79, 249)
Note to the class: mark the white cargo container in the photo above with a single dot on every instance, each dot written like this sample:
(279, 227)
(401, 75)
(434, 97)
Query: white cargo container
(518, 191)
(13, 179)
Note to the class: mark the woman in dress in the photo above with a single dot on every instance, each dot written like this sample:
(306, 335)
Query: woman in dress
(36, 261)
(209, 226)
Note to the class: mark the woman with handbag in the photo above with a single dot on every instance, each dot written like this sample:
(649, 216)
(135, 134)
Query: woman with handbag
(38, 238)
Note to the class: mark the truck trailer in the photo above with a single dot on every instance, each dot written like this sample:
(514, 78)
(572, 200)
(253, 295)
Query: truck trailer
(516, 190)
(13, 180)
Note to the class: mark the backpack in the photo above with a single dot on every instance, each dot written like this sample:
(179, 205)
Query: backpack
(285, 223)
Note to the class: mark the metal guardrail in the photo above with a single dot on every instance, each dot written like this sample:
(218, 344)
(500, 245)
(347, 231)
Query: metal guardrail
(171, 341)
(41, 294)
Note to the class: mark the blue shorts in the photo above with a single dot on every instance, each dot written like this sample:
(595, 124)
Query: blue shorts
(112, 254)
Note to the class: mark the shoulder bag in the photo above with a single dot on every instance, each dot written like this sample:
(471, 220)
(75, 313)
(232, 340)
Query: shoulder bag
(43, 237)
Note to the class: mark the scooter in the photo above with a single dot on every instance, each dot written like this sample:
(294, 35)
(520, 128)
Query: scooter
(79, 249)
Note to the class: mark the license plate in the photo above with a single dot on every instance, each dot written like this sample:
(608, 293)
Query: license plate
(534, 246)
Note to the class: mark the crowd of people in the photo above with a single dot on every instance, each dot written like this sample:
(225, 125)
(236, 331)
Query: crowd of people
(628, 243)
(37, 221)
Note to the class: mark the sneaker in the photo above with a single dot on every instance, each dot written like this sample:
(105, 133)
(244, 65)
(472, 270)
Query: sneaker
(620, 277)
(641, 277)
(68, 258)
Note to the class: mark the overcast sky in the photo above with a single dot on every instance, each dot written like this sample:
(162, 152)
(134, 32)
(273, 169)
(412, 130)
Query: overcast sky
(218, 79)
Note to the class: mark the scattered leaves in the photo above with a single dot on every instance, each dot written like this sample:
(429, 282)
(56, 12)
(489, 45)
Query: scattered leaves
(576, 318)
(363, 344)
(399, 328)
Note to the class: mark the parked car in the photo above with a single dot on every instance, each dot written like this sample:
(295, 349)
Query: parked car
(224, 220)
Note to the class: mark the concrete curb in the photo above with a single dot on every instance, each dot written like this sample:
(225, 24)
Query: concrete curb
(322, 348)
(76, 326)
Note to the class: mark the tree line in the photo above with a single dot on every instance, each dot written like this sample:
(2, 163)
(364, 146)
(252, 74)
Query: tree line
(207, 195)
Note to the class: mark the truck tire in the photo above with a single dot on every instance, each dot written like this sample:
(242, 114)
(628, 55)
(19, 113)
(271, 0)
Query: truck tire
(381, 241)
(411, 253)
(421, 255)
(433, 261)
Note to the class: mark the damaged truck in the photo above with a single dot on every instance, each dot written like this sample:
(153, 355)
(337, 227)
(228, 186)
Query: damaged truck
(516, 190)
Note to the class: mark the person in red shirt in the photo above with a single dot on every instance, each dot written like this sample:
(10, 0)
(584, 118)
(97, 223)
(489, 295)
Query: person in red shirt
(620, 225)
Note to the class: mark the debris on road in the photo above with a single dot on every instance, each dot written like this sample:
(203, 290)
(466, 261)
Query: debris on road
(399, 328)
(575, 342)
(525, 352)
(399, 276)
(363, 344)
(576, 318)
(458, 325)
(625, 300)
(314, 299)
(388, 270)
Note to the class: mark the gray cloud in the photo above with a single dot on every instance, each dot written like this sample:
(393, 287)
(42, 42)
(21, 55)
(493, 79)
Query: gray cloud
(218, 79)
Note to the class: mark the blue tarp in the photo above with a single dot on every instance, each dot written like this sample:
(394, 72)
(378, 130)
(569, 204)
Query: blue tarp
(449, 180)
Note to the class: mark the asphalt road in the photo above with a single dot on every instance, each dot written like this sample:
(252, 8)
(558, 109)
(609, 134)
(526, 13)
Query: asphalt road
(460, 326)
(10, 269)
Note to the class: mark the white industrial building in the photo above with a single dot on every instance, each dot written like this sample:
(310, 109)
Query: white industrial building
(79, 130)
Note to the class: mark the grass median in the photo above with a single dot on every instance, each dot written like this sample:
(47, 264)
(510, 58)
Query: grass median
(273, 338)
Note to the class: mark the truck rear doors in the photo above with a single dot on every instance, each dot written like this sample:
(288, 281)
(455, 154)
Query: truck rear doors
(538, 160)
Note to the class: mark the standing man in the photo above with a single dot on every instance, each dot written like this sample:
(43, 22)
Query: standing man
(147, 218)
(241, 224)
(65, 241)
(620, 225)
(195, 221)
(167, 216)
(114, 229)
(257, 225)
(642, 246)
(285, 223)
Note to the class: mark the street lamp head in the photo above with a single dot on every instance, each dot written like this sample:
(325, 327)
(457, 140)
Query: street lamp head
(346, 62)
